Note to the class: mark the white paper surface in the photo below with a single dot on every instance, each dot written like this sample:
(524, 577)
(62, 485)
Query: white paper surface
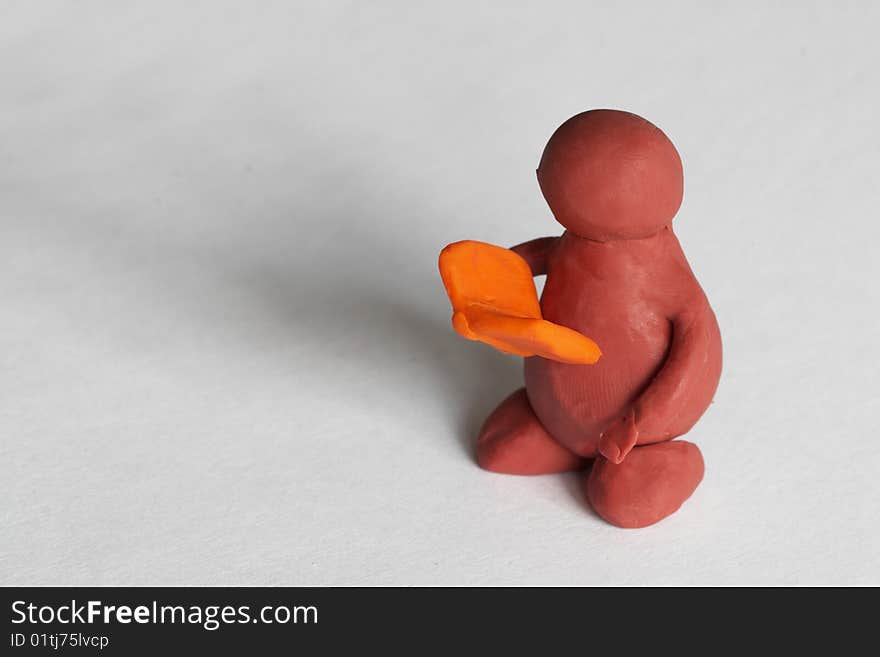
(226, 351)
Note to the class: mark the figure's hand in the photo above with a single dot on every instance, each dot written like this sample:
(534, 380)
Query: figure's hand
(619, 438)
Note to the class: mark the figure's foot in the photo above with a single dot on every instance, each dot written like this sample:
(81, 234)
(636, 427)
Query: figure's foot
(650, 484)
(513, 441)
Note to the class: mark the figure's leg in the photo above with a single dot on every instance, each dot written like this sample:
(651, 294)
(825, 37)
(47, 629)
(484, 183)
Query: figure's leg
(651, 483)
(512, 441)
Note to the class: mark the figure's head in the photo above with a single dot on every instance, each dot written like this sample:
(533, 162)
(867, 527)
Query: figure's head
(611, 175)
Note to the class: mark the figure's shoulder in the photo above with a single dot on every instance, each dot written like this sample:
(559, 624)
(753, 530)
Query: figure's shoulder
(681, 285)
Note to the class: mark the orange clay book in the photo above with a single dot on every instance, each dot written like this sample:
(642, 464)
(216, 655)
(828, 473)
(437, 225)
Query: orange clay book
(494, 301)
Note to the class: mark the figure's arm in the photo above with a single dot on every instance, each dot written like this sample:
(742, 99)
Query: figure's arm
(535, 253)
(693, 333)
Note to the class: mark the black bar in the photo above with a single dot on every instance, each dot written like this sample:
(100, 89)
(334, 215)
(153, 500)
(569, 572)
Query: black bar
(417, 620)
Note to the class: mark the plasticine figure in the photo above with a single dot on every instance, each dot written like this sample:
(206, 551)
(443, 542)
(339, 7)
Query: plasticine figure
(618, 275)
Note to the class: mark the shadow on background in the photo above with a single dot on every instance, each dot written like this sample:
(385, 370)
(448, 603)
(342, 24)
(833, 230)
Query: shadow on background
(320, 270)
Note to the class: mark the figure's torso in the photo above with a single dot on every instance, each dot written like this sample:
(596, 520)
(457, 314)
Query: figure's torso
(622, 294)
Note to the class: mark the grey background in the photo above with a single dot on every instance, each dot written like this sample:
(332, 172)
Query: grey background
(226, 352)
